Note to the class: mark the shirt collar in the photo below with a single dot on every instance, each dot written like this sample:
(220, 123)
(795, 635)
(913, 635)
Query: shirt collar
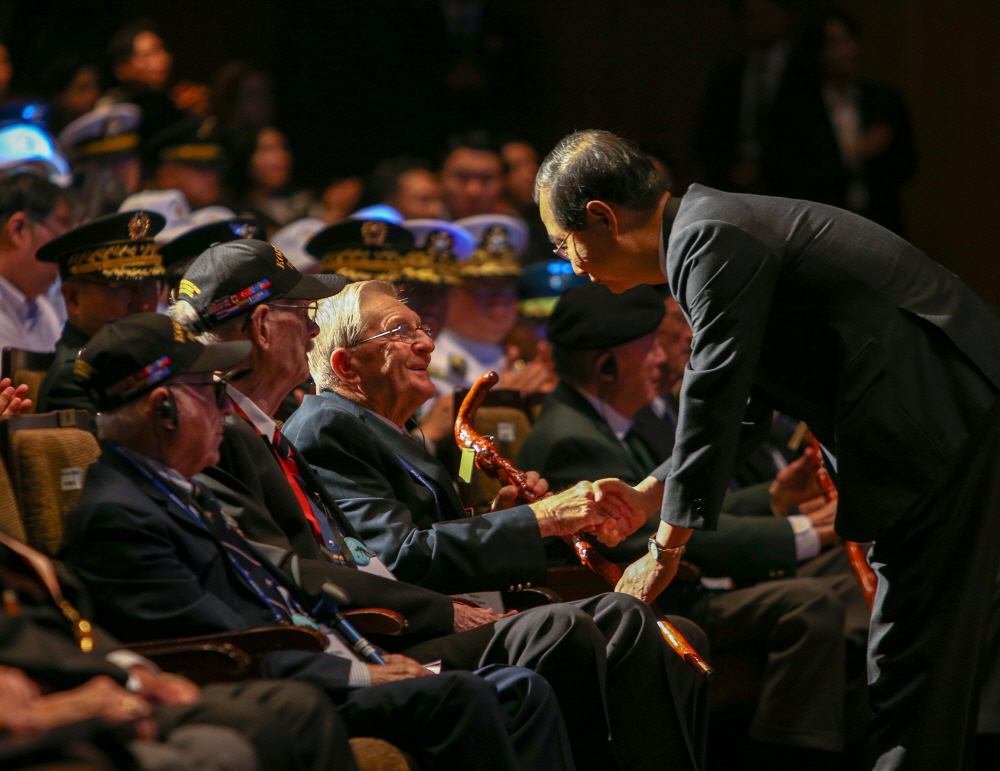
(264, 424)
(618, 422)
(161, 470)
(14, 298)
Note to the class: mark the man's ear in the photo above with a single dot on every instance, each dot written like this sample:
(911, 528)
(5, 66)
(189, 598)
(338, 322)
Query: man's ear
(342, 364)
(602, 217)
(258, 329)
(18, 230)
(71, 293)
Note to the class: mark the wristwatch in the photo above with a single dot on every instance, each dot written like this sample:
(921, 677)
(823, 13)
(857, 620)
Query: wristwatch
(661, 554)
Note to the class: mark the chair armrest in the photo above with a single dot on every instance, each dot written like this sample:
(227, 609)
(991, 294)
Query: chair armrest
(377, 621)
(205, 663)
(252, 642)
(529, 597)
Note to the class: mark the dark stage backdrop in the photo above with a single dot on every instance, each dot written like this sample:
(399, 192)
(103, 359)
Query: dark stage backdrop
(359, 80)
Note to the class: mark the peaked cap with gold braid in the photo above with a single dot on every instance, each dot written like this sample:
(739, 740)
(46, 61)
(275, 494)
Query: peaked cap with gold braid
(362, 250)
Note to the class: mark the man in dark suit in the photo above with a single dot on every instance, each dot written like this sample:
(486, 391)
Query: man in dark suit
(890, 359)
(304, 531)
(291, 725)
(604, 348)
(160, 558)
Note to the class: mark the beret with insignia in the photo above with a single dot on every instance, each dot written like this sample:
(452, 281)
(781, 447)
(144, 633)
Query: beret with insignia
(590, 316)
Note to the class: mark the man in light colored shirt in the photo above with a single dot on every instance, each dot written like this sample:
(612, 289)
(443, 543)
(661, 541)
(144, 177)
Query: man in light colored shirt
(32, 211)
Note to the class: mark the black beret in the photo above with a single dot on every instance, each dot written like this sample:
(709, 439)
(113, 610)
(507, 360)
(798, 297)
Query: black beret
(590, 316)
(118, 246)
(192, 243)
(130, 357)
(230, 279)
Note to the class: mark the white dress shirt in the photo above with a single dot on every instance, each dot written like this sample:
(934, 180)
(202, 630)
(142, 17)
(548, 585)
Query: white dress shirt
(32, 324)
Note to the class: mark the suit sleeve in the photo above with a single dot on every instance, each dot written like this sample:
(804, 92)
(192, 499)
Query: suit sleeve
(487, 552)
(724, 280)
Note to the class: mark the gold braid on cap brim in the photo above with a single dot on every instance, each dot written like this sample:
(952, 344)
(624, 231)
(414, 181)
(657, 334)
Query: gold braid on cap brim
(108, 146)
(484, 264)
(125, 259)
(364, 264)
(421, 268)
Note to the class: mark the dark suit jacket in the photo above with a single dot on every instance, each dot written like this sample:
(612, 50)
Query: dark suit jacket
(802, 158)
(154, 572)
(359, 457)
(59, 391)
(572, 442)
(831, 319)
(253, 489)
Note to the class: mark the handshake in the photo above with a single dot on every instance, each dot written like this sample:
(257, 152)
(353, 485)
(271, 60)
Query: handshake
(608, 508)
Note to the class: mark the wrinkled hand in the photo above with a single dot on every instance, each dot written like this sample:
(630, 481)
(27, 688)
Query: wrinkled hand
(630, 506)
(12, 401)
(822, 514)
(646, 578)
(439, 421)
(535, 376)
(396, 668)
(164, 688)
(507, 497)
(570, 511)
(468, 617)
(796, 483)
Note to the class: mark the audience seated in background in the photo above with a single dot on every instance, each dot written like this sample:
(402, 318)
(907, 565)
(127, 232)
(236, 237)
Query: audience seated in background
(189, 156)
(406, 184)
(110, 269)
(260, 174)
(32, 212)
(472, 175)
(71, 85)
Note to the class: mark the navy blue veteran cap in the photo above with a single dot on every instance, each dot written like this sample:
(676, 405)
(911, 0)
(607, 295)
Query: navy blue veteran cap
(192, 243)
(590, 316)
(230, 279)
(118, 246)
(362, 250)
(132, 356)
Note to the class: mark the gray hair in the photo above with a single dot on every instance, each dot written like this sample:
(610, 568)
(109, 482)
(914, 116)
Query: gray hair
(122, 423)
(597, 166)
(342, 324)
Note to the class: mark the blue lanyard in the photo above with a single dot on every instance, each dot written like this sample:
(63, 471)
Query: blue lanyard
(187, 510)
(426, 483)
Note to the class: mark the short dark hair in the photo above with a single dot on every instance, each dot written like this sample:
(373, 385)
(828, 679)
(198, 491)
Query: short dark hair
(33, 195)
(383, 183)
(597, 166)
(475, 139)
(121, 45)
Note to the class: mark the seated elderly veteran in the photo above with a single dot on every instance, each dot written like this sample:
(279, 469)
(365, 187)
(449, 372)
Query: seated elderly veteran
(370, 362)
(161, 560)
(54, 675)
(110, 268)
(266, 484)
(605, 347)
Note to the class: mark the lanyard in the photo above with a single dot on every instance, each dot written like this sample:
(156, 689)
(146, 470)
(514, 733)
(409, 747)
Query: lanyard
(141, 468)
(426, 483)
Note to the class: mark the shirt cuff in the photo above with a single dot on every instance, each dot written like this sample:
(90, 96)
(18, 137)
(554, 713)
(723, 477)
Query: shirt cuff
(360, 677)
(124, 659)
(807, 543)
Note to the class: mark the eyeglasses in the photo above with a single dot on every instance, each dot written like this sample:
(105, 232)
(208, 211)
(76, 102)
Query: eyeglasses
(310, 310)
(221, 396)
(404, 333)
(561, 251)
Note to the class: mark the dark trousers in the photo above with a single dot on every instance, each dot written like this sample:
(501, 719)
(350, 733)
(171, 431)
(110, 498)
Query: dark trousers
(611, 672)
(930, 644)
(459, 720)
(291, 725)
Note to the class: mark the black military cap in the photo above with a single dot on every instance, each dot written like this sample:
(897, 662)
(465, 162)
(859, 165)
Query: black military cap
(189, 245)
(132, 356)
(363, 250)
(191, 140)
(230, 279)
(590, 316)
(119, 246)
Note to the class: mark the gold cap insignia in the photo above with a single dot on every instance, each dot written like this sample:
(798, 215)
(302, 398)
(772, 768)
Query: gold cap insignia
(82, 368)
(496, 240)
(187, 287)
(374, 232)
(181, 333)
(280, 260)
(439, 243)
(138, 226)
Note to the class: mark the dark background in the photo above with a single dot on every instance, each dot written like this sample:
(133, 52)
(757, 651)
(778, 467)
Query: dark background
(357, 81)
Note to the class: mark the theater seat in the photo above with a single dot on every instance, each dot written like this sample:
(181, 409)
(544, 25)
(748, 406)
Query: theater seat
(26, 368)
(378, 755)
(10, 515)
(47, 456)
